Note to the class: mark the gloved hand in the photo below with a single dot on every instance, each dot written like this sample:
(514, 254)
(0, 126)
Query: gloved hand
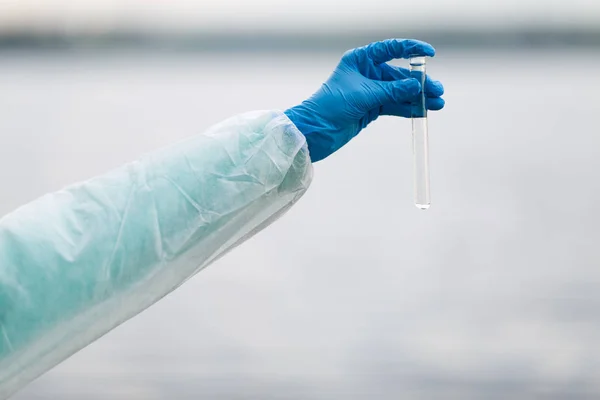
(361, 88)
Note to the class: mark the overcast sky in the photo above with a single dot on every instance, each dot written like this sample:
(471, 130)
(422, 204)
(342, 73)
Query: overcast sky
(293, 15)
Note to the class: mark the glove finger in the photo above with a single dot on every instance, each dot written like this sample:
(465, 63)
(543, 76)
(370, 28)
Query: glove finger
(433, 88)
(434, 103)
(404, 109)
(393, 92)
(387, 50)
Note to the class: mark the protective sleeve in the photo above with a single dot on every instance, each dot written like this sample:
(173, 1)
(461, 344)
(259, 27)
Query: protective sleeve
(76, 263)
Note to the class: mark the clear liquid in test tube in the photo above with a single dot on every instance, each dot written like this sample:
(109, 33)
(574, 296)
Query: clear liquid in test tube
(420, 139)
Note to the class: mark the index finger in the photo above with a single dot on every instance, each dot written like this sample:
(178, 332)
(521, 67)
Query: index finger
(387, 50)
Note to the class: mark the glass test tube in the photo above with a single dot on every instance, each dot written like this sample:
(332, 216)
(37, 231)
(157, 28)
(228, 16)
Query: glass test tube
(420, 139)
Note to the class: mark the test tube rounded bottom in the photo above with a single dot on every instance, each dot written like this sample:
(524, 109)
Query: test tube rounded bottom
(421, 163)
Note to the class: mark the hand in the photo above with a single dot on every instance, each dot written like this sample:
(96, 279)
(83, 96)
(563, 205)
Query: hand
(361, 88)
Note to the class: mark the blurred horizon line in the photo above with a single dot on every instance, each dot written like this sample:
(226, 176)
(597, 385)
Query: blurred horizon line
(267, 41)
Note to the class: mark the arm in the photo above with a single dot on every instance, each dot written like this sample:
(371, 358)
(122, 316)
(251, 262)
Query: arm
(76, 263)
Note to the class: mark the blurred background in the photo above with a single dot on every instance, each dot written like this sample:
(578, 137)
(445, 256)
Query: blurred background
(493, 293)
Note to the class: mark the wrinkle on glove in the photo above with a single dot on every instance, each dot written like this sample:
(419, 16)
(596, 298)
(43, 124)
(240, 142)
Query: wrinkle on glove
(76, 263)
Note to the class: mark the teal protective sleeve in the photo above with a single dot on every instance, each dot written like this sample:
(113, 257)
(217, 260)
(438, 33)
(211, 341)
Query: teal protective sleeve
(76, 263)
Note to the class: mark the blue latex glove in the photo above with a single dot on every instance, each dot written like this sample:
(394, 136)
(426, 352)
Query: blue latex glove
(361, 88)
